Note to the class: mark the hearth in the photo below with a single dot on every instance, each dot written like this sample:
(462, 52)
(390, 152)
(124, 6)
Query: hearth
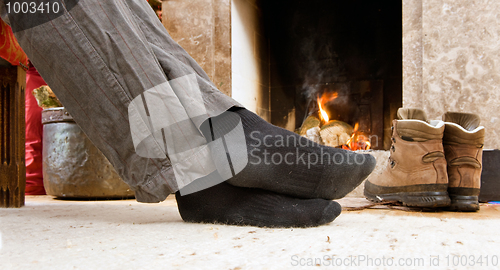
(351, 50)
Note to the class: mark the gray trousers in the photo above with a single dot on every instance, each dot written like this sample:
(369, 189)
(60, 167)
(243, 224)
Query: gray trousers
(119, 74)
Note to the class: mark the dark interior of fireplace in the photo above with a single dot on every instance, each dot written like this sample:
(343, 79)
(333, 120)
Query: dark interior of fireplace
(350, 47)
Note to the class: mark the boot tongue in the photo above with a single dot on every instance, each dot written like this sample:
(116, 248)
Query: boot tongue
(468, 121)
(412, 113)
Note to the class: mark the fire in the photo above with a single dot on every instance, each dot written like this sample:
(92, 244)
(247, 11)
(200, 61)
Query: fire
(323, 114)
(325, 98)
(358, 141)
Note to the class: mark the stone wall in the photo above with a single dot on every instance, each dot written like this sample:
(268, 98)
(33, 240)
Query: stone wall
(203, 29)
(451, 59)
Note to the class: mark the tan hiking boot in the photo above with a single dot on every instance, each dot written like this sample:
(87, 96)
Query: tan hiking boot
(416, 173)
(463, 147)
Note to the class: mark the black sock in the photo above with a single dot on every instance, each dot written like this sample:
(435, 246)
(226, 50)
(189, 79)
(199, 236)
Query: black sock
(227, 204)
(286, 163)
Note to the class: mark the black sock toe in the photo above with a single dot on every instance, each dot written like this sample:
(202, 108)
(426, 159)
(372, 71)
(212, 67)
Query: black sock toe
(227, 204)
(338, 182)
(286, 163)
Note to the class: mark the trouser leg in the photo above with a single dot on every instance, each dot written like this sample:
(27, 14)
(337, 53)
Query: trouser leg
(110, 62)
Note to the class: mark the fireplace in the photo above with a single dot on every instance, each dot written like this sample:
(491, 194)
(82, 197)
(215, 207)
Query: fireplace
(350, 48)
(446, 63)
(281, 55)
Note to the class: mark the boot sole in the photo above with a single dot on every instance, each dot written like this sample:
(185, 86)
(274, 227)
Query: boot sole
(464, 203)
(414, 199)
(428, 196)
(464, 199)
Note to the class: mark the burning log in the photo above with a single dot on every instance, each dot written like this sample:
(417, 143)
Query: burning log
(310, 129)
(358, 140)
(336, 133)
(310, 122)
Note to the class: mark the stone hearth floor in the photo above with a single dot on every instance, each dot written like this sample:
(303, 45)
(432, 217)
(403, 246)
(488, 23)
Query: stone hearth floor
(62, 234)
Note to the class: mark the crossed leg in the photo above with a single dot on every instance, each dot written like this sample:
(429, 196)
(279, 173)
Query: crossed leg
(118, 72)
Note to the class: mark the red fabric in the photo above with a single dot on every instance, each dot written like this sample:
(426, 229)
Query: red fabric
(34, 134)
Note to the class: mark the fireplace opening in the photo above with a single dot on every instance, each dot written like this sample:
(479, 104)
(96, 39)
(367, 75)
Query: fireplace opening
(347, 54)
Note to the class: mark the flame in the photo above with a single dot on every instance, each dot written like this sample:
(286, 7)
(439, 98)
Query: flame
(325, 98)
(358, 141)
(323, 114)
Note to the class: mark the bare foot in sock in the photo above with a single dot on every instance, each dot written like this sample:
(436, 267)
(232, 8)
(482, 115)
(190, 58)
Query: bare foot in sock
(227, 204)
(286, 163)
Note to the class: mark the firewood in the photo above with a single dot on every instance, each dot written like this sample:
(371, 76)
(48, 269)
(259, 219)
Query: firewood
(335, 133)
(310, 122)
(313, 135)
(310, 129)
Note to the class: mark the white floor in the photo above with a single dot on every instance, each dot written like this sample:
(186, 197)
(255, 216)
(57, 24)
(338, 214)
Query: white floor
(55, 234)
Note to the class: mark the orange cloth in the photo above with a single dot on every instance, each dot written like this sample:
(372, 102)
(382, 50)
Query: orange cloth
(9, 48)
